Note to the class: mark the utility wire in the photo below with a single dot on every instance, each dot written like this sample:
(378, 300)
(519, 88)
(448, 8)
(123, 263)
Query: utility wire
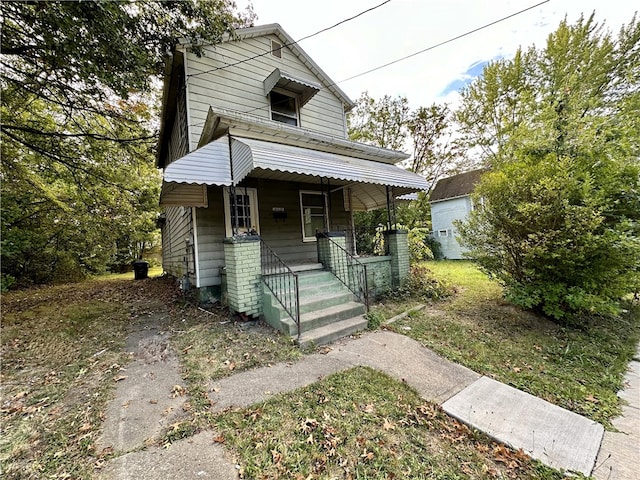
(442, 43)
(423, 50)
(292, 43)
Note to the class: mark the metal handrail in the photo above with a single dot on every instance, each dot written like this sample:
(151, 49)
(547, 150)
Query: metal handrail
(281, 281)
(350, 271)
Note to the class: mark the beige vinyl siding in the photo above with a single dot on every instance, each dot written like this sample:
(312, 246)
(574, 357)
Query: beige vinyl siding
(240, 87)
(285, 236)
(211, 233)
(176, 260)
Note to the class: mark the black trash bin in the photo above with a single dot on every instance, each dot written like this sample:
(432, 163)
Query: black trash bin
(141, 269)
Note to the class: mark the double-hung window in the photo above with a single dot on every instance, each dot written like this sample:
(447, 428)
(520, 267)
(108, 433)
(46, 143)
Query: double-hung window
(284, 108)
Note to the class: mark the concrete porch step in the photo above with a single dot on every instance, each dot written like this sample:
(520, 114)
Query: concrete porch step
(320, 318)
(332, 332)
(314, 302)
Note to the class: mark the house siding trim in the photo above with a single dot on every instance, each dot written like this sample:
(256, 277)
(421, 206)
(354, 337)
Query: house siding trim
(195, 246)
(188, 102)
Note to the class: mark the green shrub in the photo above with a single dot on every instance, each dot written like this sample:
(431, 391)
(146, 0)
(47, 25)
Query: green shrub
(434, 246)
(418, 249)
(421, 284)
(6, 282)
(374, 319)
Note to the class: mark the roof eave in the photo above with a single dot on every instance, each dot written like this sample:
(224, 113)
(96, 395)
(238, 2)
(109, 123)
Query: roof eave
(220, 121)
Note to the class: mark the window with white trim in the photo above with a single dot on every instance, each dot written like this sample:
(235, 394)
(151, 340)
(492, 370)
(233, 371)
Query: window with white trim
(313, 209)
(284, 108)
(443, 233)
(246, 211)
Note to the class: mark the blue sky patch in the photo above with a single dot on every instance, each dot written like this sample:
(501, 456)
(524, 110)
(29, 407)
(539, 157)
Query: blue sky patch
(474, 71)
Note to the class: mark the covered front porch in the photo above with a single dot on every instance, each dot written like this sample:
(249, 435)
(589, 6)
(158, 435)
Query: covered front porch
(263, 204)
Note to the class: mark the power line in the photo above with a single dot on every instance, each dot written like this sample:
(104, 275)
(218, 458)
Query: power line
(442, 43)
(452, 39)
(292, 43)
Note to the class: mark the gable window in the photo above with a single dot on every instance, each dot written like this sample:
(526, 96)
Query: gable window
(313, 210)
(245, 209)
(276, 49)
(284, 108)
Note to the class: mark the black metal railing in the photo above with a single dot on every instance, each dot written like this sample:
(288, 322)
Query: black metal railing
(281, 281)
(364, 240)
(349, 270)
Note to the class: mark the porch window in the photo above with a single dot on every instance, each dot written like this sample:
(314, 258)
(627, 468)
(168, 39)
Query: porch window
(284, 108)
(313, 210)
(245, 208)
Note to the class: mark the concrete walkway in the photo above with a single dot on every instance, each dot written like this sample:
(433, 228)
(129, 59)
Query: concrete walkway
(619, 457)
(553, 435)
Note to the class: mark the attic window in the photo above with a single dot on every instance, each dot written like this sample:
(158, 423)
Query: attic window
(276, 49)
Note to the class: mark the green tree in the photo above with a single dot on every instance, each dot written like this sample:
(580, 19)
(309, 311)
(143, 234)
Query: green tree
(79, 188)
(435, 152)
(560, 225)
(382, 123)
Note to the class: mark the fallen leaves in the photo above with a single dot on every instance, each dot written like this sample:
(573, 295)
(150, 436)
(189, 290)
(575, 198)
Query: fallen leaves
(178, 391)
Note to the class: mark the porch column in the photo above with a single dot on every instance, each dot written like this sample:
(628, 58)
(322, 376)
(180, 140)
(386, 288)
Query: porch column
(331, 258)
(397, 247)
(244, 269)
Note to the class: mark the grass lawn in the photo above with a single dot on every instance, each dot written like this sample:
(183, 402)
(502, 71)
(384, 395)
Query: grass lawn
(62, 350)
(578, 368)
(363, 424)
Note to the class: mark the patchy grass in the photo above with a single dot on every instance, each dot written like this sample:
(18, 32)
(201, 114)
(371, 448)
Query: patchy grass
(60, 351)
(364, 424)
(578, 368)
(211, 346)
(62, 348)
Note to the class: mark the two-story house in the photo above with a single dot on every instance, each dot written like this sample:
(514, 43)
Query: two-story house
(260, 183)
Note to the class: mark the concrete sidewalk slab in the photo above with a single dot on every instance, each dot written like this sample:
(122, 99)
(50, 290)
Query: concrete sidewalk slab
(253, 386)
(196, 457)
(435, 378)
(555, 436)
(619, 457)
(145, 402)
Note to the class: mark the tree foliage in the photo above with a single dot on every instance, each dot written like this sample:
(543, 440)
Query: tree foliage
(382, 123)
(78, 82)
(560, 227)
(390, 123)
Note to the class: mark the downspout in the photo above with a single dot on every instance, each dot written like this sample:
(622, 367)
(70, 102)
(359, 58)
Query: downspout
(196, 261)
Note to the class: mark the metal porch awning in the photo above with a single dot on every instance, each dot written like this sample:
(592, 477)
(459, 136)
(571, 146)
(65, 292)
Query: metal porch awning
(366, 181)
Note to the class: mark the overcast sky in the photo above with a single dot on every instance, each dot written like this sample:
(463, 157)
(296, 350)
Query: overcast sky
(403, 27)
